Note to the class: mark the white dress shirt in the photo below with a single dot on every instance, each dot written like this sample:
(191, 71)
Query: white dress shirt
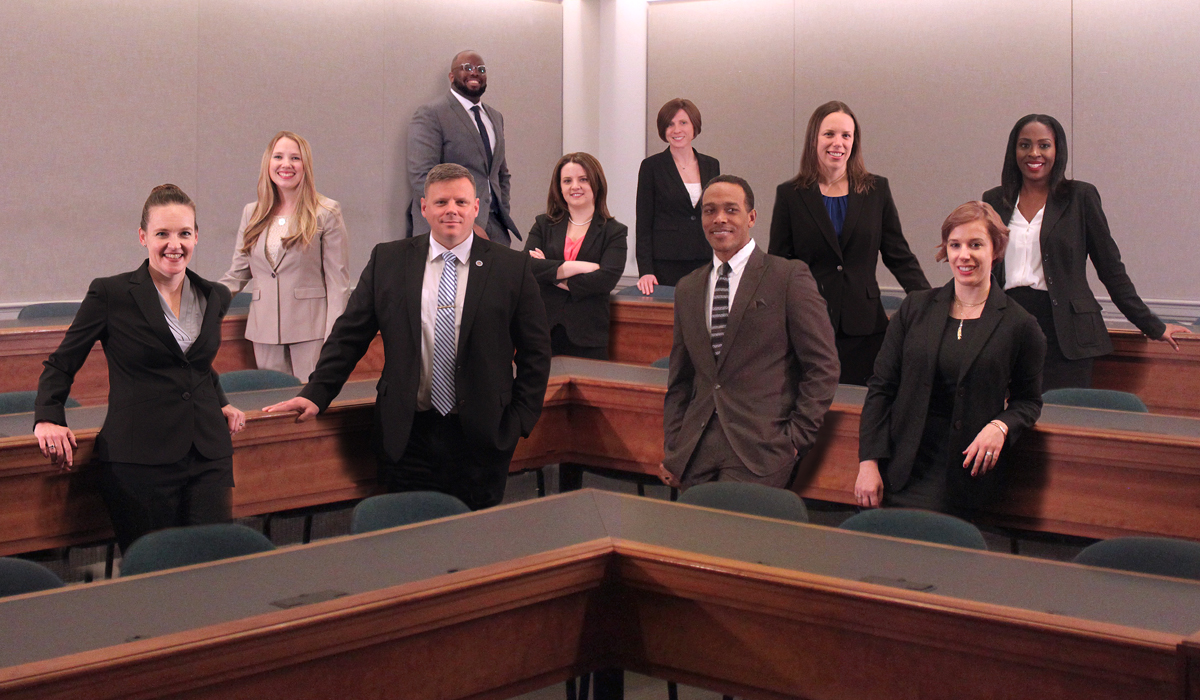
(1023, 257)
(487, 123)
(738, 265)
(429, 302)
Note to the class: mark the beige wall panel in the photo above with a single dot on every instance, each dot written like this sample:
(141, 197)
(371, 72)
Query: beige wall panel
(521, 43)
(98, 107)
(936, 87)
(310, 66)
(733, 58)
(1137, 93)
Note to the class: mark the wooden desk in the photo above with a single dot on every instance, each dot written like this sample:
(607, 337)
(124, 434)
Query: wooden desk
(1084, 472)
(491, 604)
(1166, 380)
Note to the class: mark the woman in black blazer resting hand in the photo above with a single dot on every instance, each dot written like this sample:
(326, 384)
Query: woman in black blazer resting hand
(1056, 225)
(957, 379)
(579, 251)
(165, 454)
(838, 218)
(670, 240)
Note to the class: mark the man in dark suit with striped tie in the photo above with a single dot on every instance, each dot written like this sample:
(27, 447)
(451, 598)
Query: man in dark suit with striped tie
(753, 365)
(455, 313)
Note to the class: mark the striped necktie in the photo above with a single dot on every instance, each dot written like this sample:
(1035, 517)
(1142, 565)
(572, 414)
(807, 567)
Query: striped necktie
(442, 392)
(720, 308)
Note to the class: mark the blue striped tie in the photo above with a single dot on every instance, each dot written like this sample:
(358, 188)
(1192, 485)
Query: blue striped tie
(720, 308)
(443, 336)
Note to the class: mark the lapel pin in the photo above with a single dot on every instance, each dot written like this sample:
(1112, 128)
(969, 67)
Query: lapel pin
(478, 263)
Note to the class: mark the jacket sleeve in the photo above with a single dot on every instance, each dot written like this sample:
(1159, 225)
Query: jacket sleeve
(239, 275)
(644, 227)
(1025, 384)
(612, 264)
(781, 225)
(222, 400)
(894, 250)
(424, 152)
(874, 431)
(1102, 249)
(544, 271)
(335, 264)
(680, 380)
(531, 337)
(54, 386)
(811, 339)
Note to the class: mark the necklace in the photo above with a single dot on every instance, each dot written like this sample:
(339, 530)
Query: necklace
(580, 223)
(282, 221)
(960, 302)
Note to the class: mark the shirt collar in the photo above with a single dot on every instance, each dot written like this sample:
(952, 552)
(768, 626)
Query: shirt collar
(462, 251)
(467, 104)
(738, 262)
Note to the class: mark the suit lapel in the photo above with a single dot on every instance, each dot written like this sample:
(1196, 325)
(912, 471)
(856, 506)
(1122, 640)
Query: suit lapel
(854, 207)
(993, 311)
(212, 308)
(590, 250)
(479, 267)
(936, 326)
(1055, 207)
(498, 146)
(414, 280)
(556, 244)
(747, 288)
(691, 310)
(708, 170)
(467, 121)
(146, 295)
(811, 196)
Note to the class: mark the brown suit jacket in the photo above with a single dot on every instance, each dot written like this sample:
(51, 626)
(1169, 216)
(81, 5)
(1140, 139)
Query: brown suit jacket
(777, 372)
(299, 298)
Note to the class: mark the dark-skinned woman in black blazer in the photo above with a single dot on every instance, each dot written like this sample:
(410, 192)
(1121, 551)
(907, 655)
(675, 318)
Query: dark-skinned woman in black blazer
(579, 251)
(165, 454)
(670, 240)
(1056, 225)
(957, 380)
(839, 219)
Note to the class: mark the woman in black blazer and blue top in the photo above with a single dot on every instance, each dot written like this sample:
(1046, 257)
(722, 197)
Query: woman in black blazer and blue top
(165, 452)
(1056, 225)
(670, 240)
(957, 380)
(579, 251)
(838, 218)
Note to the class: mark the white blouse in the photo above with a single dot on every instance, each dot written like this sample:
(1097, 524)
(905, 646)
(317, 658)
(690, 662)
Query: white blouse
(694, 189)
(1023, 257)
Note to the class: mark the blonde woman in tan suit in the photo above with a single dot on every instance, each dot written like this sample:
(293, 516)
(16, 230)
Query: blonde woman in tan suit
(292, 247)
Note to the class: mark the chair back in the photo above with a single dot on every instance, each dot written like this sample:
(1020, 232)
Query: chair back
(662, 363)
(922, 525)
(256, 380)
(661, 292)
(1147, 555)
(1096, 398)
(49, 309)
(25, 402)
(241, 300)
(194, 544)
(19, 576)
(396, 509)
(748, 498)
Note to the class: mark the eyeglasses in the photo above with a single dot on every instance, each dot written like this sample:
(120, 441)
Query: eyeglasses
(469, 68)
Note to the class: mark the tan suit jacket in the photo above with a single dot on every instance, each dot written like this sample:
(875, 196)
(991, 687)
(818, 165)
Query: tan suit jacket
(299, 298)
(777, 372)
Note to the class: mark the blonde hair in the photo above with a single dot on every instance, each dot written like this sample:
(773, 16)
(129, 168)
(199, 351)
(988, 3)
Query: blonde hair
(304, 219)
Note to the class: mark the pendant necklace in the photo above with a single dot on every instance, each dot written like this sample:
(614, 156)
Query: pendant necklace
(964, 304)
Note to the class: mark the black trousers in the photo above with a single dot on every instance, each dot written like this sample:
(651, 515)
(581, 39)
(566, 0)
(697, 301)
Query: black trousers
(560, 344)
(669, 272)
(1059, 372)
(438, 458)
(142, 498)
(857, 354)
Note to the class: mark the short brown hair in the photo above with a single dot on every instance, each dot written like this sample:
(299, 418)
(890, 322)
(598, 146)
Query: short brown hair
(975, 211)
(162, 196)
(671, 108)
(556, 204)
(446, 172)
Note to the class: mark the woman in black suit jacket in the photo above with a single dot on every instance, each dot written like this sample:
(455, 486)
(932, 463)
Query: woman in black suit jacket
(670, 240)
(165, 452)
(838, 218)
(1057, 224)
(957, 379)
(579, 251)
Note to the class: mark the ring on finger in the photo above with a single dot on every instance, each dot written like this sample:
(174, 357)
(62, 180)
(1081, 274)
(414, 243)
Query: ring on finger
(53, 448)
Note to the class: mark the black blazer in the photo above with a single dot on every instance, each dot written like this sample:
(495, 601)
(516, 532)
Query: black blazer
(502, 315)
(668, 226)
(1073, 229)
(582, 311)
(1006, 355)
(845, 269)
(161, 401)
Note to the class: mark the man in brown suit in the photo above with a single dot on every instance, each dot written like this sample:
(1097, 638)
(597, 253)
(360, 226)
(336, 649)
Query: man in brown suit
(753, 365)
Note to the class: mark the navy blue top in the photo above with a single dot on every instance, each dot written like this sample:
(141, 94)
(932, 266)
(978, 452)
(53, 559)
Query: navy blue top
(836, 206)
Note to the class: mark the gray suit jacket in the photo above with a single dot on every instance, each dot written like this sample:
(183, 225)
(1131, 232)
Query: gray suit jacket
(777, 372)
(443, 132)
